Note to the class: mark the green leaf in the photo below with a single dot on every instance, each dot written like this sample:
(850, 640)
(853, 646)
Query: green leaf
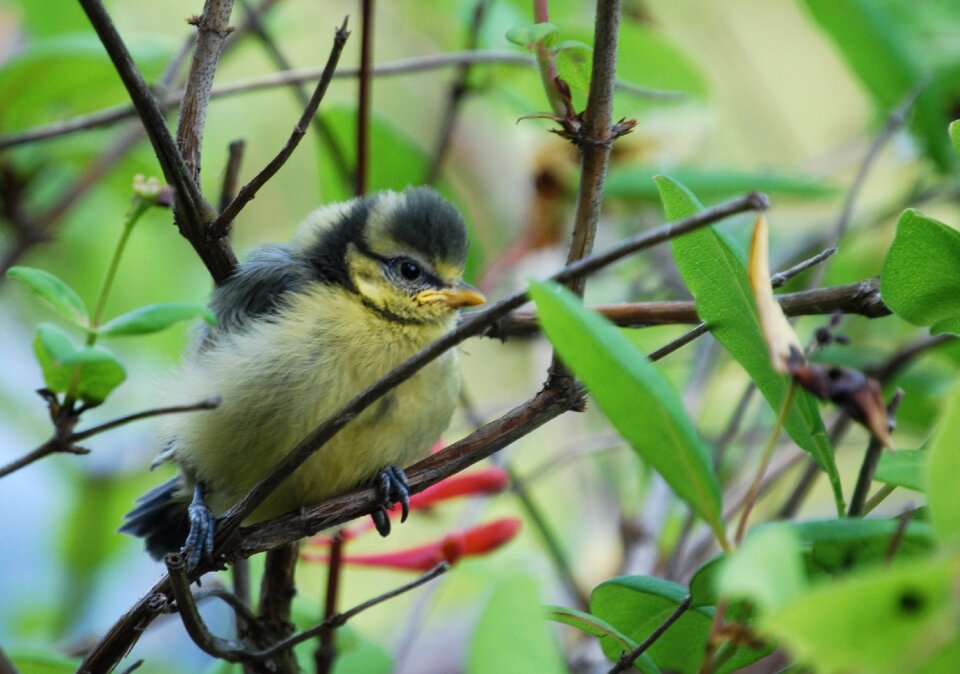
(878, 50)
(97, 371)
(920, 280)
(717, 277)
(635, 396)
(637, 605)
(886, 620)
(53, 291)
(574, 61)
(512, 635)
(155, 317)
(767, 569)
(954, 132)
(637, 183)
(943, 496)
(837, 546)
(42, 662)
(591, 624)
(904, 468)
(35, 91)
(529, 36)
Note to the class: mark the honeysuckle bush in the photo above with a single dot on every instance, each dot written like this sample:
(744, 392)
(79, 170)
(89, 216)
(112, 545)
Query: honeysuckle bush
(633, 497)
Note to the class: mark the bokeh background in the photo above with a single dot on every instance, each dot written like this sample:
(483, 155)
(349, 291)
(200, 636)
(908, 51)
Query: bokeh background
(767, 99)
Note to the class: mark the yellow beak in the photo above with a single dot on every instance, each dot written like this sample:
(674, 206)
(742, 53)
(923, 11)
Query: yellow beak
(460, 295)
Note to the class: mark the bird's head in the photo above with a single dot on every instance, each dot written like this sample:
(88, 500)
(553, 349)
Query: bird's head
(402, 253)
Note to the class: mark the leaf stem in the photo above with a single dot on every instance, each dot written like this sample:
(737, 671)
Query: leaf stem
(765, 460)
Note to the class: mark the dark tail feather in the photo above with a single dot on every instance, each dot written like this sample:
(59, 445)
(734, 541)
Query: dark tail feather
(160, 518)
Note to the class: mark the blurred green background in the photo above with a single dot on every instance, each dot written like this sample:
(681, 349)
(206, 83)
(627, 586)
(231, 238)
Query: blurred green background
(770, 100)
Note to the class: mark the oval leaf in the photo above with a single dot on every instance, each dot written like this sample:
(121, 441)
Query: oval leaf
(593, 625)
(634, 395)
(943, 497)
(154, 318)
(717, 277)
(886, 620)
(767, 568)
(920, 279)
(53, 291)
(512, 635)
(96, 370)
(904, 468)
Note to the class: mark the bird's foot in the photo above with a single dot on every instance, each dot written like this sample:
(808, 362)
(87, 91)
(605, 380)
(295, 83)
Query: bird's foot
(199, 543)
(391, 489)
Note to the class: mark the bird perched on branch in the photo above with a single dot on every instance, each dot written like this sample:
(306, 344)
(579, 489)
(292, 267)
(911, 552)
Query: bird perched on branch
(302, 328)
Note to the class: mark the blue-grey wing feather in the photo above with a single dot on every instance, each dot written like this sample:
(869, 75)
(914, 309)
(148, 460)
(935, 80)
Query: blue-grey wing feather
(258, 288)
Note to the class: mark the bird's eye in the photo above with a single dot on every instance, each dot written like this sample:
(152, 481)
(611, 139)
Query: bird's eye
(410, 270)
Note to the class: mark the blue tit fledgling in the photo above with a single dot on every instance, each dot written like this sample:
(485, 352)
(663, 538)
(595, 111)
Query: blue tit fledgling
(302, 328)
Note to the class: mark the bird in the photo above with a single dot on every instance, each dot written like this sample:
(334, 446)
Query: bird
(301, 329)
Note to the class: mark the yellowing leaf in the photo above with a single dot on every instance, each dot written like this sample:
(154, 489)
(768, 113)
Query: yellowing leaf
(782, 341)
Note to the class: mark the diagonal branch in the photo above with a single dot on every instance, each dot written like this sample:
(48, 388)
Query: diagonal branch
(192, 210)
(221, 226)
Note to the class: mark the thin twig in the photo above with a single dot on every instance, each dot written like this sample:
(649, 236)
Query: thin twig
(326, 653)
(765, 457)
(277, 590)
(191, 208)
(895, 121)
(208, 404)
(902, 523)
(231, 174)
(595, 145)
(240, 608)
(341, 618)
(213, 26)
(457, 92)
(406, 66)
(363, 97)
(879, 497)
(862, 298)
(560, 561)
(221, 226)
(871, 459)
(324, 134)
(225, 649)
(627, 659)
(779, 279)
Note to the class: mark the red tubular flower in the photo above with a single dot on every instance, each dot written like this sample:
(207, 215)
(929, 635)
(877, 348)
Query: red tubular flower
(478, 540)
(474, 483)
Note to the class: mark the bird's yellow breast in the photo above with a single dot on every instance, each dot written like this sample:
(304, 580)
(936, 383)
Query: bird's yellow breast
(285, 375)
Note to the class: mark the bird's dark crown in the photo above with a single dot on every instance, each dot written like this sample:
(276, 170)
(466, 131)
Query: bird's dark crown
(417, 219)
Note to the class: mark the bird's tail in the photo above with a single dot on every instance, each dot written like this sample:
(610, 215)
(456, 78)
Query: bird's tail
(160, 518)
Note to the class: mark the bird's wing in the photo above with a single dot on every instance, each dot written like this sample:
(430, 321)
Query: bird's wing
(258, 287)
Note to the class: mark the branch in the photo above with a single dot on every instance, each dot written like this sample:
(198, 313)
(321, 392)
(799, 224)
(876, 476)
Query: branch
(192, 210)
(399, 67)
(66, 443)
(627, 659)
(231, 173)
(221, 226)
(458, 91)
(363, 97)
(871, 459)
(212, 30)
(861, 298)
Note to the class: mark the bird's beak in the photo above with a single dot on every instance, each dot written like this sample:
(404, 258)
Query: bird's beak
(460, 295)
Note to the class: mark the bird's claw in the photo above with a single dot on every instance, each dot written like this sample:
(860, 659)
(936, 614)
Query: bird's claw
(391, 489)
(199, 543)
